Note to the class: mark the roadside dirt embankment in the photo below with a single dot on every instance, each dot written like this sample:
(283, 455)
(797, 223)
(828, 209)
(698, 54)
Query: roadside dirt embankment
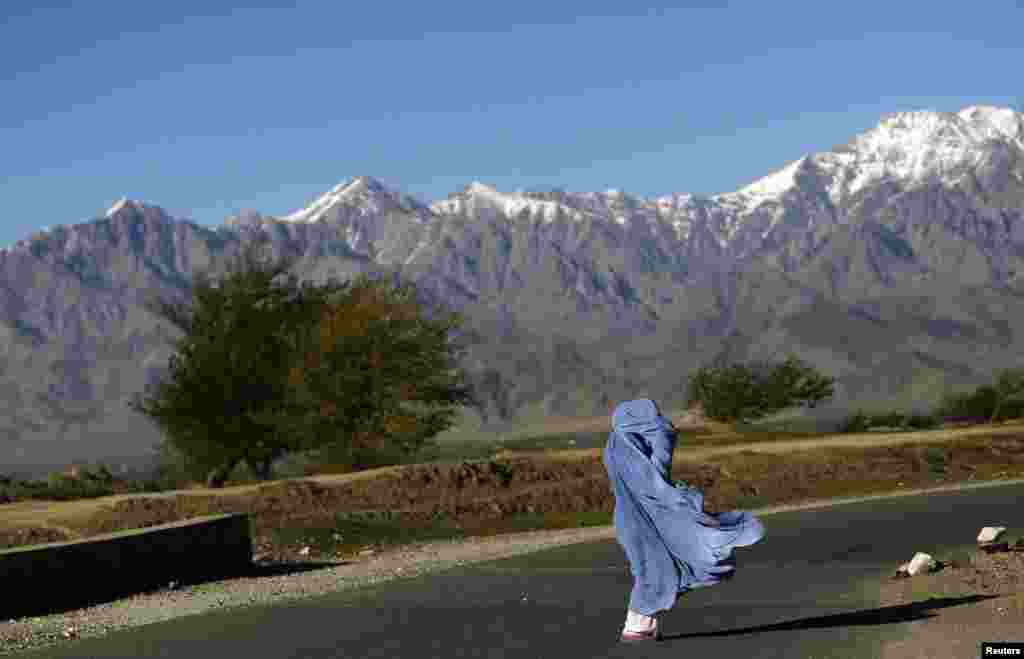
(481, 497)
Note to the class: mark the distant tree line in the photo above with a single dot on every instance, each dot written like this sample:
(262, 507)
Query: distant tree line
(746, 392)
(742, 393)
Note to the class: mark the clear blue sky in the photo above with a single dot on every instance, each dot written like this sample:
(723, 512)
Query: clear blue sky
(206, 108)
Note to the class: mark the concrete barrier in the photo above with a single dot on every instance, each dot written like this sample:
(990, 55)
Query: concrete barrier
(62, 576)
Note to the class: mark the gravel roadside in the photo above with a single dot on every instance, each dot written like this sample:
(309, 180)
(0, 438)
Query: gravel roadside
(959, 631)
(386, 565)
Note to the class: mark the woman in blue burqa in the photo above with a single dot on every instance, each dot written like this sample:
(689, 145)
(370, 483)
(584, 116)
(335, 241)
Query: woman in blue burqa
(672, 544)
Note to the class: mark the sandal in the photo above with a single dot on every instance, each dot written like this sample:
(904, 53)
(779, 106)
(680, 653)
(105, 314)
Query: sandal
(630, 637)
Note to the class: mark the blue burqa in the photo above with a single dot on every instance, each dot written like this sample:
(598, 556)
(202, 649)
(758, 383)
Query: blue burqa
(672, 544)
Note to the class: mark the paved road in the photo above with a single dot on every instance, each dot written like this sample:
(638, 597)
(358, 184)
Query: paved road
(805, 591)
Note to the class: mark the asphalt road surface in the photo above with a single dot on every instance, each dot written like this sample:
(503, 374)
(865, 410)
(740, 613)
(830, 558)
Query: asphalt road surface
(809, 589)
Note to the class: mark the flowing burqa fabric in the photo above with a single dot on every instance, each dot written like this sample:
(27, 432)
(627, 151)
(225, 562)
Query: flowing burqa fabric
(672, 545)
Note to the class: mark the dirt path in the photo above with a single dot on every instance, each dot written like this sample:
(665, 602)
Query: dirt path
(853, 440)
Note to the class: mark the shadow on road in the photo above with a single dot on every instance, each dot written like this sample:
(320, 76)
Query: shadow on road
(881, 616)
(42, 604)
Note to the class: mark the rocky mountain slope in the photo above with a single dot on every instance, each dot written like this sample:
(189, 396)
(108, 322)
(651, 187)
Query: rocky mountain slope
(892, 263)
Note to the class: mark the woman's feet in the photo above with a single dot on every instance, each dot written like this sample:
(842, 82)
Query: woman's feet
(640, 628)
(652, 635)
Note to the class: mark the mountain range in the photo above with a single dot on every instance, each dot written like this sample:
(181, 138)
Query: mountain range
(893, 263)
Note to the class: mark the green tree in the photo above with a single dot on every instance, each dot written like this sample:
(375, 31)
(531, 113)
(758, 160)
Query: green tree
(228, 372)
(1009, 383)
(740, 392)
(266, 370)
(375, 377)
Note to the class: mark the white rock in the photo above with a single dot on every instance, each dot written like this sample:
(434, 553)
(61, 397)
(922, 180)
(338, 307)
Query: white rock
(304, 551)
(990, 534)
(920, 563)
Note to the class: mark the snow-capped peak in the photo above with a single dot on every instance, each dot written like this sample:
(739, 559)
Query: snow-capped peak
(909, 136)
(926, 145)
(364, 192)
(478, 189)
(118, 205)
(914, 146)
(775, 183)
(477, 194)
(126, 205)
(997, 122)
(365, 184)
